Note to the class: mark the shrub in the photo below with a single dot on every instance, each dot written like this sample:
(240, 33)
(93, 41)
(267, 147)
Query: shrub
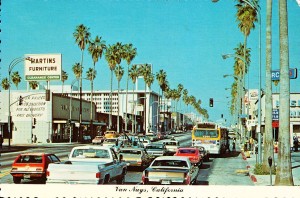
(258, 170)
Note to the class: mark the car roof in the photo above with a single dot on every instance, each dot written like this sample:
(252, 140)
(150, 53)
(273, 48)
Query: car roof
(38, 153)
(91, 146)
(187, 148)
(130, 148)
(172, 158)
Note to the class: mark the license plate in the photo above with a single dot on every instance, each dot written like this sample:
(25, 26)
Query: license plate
(26, 176)
(165, 182)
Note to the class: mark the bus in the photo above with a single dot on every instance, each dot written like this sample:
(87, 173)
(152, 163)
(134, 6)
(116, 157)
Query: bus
(212, 137)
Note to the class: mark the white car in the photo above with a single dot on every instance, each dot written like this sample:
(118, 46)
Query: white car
(172, 145)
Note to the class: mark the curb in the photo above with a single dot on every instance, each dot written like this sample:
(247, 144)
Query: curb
(252, 176)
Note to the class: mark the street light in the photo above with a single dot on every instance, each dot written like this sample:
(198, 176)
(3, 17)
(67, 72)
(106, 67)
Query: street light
(12, 64)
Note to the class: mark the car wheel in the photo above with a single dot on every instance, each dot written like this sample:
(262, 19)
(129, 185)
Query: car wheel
(121, 179)
(106, 179)
(17, 180)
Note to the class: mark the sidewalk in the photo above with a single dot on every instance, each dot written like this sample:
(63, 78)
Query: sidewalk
(265, 180)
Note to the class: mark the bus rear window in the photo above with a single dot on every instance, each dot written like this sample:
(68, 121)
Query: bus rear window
(206, 133)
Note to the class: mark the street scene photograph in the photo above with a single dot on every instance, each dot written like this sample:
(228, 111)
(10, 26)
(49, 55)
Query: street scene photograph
(141, 98)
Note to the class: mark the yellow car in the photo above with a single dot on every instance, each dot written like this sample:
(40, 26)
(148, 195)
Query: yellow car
(111, 134)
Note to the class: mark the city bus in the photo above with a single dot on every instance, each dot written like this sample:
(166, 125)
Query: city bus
(212, 137)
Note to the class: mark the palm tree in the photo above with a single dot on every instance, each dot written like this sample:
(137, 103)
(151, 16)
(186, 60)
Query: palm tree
(149, 81)
(16, 78)
(113, 56)
(81, 36)
(133, 74)
(284, 170)
(91, 75)
(5, 84)
(33, 84)
(96, 49)
(268, 139)
(145, 71)
(64, 77)
(129, 54)
(119, 72)
(161, 78)
(77, 70)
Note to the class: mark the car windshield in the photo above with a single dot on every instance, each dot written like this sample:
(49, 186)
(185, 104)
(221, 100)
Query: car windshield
(90, 153)
(134, 152)
(154, 147)
(188, 151)
(173, 163)
(29, 159)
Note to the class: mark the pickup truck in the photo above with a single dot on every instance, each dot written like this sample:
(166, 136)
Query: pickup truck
(89, 165)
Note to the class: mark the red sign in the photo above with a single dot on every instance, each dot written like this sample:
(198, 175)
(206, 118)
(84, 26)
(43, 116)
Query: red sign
(275, 124)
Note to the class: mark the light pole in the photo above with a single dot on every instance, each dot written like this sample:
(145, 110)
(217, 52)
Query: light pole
(12, 64)
(70, 108)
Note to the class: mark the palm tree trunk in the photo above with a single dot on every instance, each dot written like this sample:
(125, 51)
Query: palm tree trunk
(80, 99)
(126, 109)
(284, 169)
(268, 144)
(118, 120)
(110, 96)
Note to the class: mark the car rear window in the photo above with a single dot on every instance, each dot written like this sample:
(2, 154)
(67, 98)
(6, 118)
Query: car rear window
(174, 163)
(188, 151)
(90, 153)
(134, 152)
(30, 159)
(171, 143)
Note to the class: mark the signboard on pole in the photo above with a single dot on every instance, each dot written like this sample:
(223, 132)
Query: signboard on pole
(292, 73)
(43, 67)
(275, 114)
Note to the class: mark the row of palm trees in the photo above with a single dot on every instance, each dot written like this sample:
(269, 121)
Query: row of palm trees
(246, 17)
(114, 54)
(16, 79)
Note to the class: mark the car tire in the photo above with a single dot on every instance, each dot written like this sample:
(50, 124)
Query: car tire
(17, 180)
(121, 179)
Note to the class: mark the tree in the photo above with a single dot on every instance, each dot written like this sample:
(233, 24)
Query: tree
(16, 78)
(129, 54)
(113, 56)
(284, 170)
(268, 135)
(5, 84)
(119, 72)
(133, 74)
(77, 70)
(64, 77)
(33, 84)
(161, 78)
(95, 49)
(81, 36)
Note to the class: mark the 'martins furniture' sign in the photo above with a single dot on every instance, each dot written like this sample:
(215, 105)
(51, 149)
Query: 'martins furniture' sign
(43, 67)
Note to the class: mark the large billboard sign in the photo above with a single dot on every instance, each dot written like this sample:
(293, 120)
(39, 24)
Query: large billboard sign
(43, 67)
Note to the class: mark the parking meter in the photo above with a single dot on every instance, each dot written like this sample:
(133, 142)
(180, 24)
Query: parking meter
(270, 161)
(256, 149)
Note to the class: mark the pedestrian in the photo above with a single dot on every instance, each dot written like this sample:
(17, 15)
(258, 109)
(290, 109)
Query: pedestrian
(233, 145)
(1, 141)
(296, 143)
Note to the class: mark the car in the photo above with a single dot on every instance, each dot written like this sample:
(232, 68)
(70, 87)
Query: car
(156, 149)
(113, 142)
(137, 157)
(171, 145)
(86, 139)
(170, 170)
(111, 134)
(32, 166)
(145, 142)
(192, 153)
(152, 138)
(98, 140)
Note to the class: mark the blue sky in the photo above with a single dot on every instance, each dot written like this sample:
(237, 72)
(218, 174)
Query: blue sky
(185, 38)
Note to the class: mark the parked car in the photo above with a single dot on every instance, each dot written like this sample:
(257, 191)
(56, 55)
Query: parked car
(192, 153)
(136, 157)
(156, 149)
(86, 139)
(32, 166)
(172, 145)
(170, 170)
(111, 134)
(89, 165)
(98, 140)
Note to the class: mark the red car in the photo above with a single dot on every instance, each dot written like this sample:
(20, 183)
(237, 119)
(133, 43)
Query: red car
(192, 153)
(32, 166)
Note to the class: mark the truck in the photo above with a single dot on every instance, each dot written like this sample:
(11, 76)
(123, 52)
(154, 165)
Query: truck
(88, 165)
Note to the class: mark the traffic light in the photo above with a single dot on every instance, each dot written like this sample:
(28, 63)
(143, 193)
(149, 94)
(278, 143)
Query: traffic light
(34, 121)
(211, 102)
(20, 100)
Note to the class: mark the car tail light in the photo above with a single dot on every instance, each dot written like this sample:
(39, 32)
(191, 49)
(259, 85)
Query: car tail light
(187, 179)
(47, 173)
(145, 177)
(98, 175)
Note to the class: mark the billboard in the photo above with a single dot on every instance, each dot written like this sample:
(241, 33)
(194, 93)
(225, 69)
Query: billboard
(43, 67)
